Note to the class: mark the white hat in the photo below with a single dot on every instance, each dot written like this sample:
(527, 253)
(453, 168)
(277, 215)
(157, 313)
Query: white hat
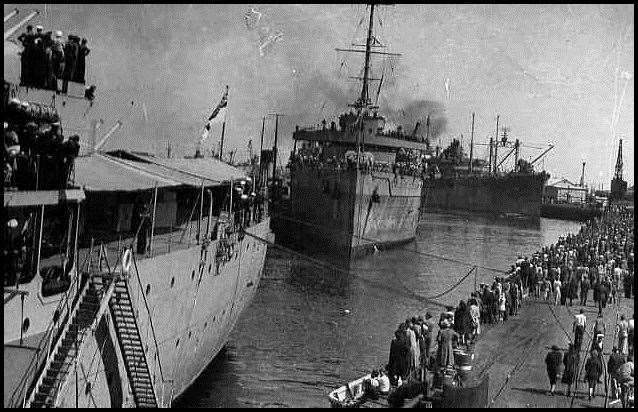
(12, 223)
(39, 27)
(58, 33)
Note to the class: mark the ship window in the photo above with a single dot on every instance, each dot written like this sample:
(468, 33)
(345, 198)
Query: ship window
(25, 325)
(148, 289)
(173, 281)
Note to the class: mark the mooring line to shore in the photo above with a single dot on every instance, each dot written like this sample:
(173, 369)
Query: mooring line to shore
(376, 241)
(406, 292)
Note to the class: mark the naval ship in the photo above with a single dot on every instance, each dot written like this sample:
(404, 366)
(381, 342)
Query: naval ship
(125, 273)
(354, 187)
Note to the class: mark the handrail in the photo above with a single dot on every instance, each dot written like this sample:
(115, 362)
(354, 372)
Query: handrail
(148, 311)
(47, 338)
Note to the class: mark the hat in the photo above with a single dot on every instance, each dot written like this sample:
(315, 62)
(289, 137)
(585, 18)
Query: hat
(555, 347)
(56, 124)
(39, 27)
(58, 33)
(12, 223)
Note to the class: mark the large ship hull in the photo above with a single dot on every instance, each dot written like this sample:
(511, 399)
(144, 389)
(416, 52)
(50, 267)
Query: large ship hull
(193, 301)
(340, 214)
(509, 194)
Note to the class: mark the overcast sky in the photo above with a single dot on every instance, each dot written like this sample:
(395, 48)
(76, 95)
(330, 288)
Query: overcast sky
(552, 72)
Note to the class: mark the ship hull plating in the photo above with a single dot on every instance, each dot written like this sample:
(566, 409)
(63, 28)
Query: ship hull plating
(515, 194)
(340, 214)
(194, 300)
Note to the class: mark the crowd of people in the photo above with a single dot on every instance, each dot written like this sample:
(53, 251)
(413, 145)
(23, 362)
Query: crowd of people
(599, 257)
(46, 57)
(37, 154)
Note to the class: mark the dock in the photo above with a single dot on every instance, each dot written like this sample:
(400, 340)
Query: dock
(514, 354)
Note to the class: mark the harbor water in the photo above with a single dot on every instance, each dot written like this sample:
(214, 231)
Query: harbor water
(304, 336)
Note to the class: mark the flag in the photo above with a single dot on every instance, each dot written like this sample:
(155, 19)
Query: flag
(214, 117)
(221, 107)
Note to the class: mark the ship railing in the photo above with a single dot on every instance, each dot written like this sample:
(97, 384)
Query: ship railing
(338, 165)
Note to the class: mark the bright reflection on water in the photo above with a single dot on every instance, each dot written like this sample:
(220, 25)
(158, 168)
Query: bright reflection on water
(295, 343)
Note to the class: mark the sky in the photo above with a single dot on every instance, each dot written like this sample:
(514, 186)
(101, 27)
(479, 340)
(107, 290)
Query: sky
(553, 73)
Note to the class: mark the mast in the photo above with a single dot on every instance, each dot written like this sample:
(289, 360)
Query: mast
(471, 145)
(261, 147)
(496, 145)
(363, 100)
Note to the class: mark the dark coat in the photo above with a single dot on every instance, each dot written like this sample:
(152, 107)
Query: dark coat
(552, 362)
(593, 369)
(399, 362)
(571, 361)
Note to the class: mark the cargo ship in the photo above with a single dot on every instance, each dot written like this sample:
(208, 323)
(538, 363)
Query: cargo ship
(456, 182)
(125, 272)
(354, 187)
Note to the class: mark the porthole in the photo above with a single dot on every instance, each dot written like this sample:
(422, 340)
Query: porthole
(25, 325)
(148, 289)
(173, 281)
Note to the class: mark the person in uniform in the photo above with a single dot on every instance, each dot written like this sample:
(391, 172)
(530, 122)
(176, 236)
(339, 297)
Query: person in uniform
(570, 361)
(26, 57)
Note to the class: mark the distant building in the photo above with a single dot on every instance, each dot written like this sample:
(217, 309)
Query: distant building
(564, 191)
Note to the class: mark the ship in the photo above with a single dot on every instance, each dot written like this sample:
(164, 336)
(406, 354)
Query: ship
(456, 182)
(354, 187)
(126, 272)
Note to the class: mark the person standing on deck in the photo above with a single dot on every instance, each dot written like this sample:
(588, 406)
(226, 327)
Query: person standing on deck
(593, 372)
(143, 229)
(552, 362)
(599, 333)
(502, 308)
(475, 316)
(580, 323)
(571, 361)
(399, 362)
(428, 334)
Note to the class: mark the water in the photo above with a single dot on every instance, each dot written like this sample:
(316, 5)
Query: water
(295, 343)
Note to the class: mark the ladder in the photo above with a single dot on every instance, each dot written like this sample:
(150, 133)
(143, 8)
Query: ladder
(65, 351)
(131, 347)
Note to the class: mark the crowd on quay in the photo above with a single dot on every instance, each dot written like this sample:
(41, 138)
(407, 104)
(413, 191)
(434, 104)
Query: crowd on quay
(599, 257)
(46, 57)
(37, 154)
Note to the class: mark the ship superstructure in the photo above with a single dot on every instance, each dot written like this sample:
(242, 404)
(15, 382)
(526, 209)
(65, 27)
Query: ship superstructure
(128, 272)
(353, 186)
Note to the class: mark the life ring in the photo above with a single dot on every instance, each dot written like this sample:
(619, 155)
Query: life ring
(127, 258)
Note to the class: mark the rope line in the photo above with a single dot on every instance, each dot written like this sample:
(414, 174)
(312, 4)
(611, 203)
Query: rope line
(375, 241)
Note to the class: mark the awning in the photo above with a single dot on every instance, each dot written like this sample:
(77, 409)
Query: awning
(189, 171)
(22, 198)
(101, 173)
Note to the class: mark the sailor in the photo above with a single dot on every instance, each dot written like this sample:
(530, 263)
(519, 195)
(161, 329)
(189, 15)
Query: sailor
(71, 50)
(26, 58)
(58, 55)
(80, 68)
(579, 325)
(144, 228)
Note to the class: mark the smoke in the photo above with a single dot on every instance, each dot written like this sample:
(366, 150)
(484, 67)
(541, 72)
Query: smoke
(418, 111)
